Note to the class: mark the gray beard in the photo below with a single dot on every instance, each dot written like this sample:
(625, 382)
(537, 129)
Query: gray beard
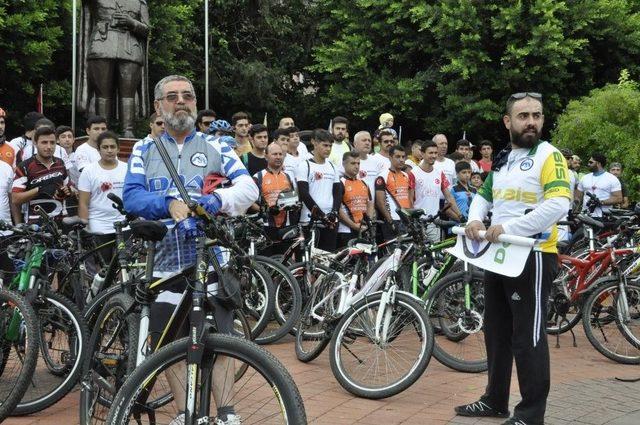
(179, 124)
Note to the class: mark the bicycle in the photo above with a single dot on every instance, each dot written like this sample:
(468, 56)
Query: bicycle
(202, 349)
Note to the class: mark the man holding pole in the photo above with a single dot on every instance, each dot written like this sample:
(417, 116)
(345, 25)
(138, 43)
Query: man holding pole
(527, 192)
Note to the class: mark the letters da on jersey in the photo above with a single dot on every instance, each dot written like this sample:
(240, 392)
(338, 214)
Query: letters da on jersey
(501, 258)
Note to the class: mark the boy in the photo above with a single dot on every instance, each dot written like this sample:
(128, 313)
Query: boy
(476, 180)
(463, 192)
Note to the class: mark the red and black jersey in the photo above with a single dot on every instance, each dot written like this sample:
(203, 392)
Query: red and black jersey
(33, 173)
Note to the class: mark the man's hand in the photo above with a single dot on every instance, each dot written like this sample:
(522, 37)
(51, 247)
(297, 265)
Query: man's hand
(62, 192)
(493, 232)
(122, 20)
(473, 228)
(179, 210)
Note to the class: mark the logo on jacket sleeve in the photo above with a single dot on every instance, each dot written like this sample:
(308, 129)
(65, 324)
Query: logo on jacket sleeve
(199, 159)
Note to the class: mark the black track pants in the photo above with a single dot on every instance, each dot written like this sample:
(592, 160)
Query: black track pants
(514, 327)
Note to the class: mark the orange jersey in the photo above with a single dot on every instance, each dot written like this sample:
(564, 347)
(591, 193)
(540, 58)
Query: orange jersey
(355, 198)
(270, 186)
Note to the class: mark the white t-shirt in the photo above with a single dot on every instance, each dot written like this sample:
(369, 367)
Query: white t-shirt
(85, 155)
(6, 182)
(290, 164)
(386, 162)
(429, 189)
(99, 183)
(448, 167)
(28, 150)
(475, 168)
(601, 185)
(303, 152)
(321, 178)
(337, 151)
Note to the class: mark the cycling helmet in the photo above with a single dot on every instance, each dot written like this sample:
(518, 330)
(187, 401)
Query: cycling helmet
(220, 125)
(229, 141)
(212, 181)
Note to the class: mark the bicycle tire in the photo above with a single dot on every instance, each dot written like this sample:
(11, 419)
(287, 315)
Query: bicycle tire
(101, 366)
(95, 306)
(599, 317)
(445, 348)
(29, 405)
(343, 335)
(281, 385)
(288, 301)
(258, 299)
(10, 300)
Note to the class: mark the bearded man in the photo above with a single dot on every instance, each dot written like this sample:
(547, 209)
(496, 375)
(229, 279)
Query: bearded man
(150, 193)
(527, 191)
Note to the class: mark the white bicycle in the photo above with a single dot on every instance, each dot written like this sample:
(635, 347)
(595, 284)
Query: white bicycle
(381, 337)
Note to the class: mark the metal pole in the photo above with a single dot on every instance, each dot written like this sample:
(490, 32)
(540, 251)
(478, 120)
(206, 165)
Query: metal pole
(206, 54)
(74, 50)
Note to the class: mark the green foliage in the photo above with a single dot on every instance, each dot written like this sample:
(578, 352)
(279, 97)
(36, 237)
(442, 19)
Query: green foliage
(448, 66)
(607, 120)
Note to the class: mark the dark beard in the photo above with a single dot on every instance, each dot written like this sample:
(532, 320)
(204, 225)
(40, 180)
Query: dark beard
(518, 140)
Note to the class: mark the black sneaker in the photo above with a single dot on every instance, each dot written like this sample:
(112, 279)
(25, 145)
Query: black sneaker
(480, 408)
(514, 421)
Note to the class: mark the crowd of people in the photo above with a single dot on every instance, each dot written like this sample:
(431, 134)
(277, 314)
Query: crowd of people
(235, 167)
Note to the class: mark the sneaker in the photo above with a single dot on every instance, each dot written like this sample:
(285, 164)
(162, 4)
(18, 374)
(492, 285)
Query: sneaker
(178, 420)
(480, 408)
(514, 421)
(231, 420)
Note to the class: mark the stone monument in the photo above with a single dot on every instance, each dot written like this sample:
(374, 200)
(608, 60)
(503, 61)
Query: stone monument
(113, 61)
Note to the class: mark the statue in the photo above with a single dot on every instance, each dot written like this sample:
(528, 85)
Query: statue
(113, 48)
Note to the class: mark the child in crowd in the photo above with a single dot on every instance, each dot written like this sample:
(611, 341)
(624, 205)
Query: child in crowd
(463, 192)
(476, 180)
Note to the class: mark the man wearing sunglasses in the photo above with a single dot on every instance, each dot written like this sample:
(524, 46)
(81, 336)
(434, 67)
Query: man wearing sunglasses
(150, 193)
(156, 125)
(527, 191)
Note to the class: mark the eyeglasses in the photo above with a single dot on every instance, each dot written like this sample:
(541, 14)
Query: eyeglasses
(187, 96)
(524, 94)
(159, 123)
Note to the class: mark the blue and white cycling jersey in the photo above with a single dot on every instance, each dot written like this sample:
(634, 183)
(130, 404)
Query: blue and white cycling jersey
(148, 188)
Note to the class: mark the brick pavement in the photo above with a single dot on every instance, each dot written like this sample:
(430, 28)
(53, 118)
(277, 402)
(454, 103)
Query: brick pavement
(583, 392)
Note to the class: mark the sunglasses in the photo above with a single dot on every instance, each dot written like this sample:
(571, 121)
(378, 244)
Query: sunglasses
(159, 123)
(524, 94)
(187, 96)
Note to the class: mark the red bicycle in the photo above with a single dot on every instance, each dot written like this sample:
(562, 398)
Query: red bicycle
(578, 275)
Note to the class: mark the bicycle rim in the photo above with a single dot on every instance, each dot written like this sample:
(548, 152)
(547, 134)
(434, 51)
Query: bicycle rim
(381, 364)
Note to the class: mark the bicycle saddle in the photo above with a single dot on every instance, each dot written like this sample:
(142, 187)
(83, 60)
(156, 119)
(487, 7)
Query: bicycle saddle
(151, 231)
(411, 212)
(288, 232)
(74, 222)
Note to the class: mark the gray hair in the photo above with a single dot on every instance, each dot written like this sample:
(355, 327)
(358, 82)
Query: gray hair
(615, 165)
(439, 136)
(359, 134)
(157, 92)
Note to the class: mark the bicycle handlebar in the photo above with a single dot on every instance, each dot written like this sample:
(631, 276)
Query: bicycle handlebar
(512, 239)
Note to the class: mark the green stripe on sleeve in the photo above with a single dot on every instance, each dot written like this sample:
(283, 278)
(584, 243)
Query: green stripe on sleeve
(557, 183)
(486, 190)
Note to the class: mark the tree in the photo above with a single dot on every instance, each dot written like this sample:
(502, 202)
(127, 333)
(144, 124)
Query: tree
(448, 66)
(607, 120)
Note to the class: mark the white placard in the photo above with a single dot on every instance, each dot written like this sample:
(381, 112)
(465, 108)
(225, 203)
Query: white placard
(507, 257)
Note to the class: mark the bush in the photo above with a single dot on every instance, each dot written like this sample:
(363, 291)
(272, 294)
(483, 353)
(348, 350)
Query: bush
(607, 120)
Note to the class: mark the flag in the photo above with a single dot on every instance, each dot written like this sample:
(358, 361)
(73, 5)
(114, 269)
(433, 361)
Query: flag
(40, 100)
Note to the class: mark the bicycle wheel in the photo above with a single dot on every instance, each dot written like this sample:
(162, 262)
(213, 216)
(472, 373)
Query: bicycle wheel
(18, 349)
(95, 306)
(628, 317)
(374, 363)
(112, 358)
(562, 314)
(259, 299)
(288, 301)
(266, 394)
(600, 319)
(312, 334)
(66, 341)
(460, 346)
